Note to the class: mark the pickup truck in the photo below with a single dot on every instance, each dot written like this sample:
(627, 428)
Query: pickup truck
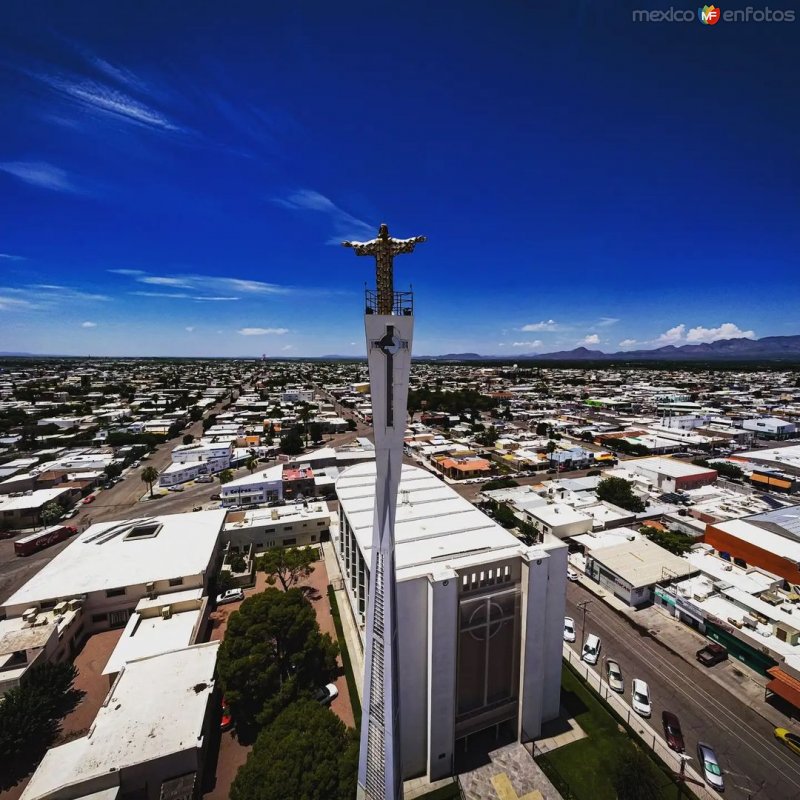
(711, 654)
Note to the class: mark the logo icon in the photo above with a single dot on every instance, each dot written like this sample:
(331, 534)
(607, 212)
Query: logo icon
(709, 15)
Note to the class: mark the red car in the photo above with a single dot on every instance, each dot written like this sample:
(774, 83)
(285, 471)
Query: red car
(89, 499)
(226, 721)
(672, 732)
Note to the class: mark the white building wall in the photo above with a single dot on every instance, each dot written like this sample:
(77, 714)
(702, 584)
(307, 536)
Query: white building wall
(553, 635)
(535, 566)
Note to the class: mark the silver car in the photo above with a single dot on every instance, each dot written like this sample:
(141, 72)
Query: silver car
(614, 676)
(712, 772)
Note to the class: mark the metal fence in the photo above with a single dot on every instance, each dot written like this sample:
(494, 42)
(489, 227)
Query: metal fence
(639, 726)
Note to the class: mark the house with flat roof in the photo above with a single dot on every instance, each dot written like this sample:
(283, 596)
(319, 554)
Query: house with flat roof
(264, 486)
(148, 739)
(295, 525)
(670, 474)
(480, 615)
(111, 566)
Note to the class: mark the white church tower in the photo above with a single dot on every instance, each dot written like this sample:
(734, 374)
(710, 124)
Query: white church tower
(389, 327)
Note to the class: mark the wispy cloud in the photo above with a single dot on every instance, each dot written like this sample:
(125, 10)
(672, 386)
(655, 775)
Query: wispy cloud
(224, 288)
(189, 328)
(41, 174)
(68, 293)
(607, 322)
(262, 331)
(544, 325)
(533, 344)
(38, 296)
(16, 303)
(88, 324)
(345, 225)
(10, 257)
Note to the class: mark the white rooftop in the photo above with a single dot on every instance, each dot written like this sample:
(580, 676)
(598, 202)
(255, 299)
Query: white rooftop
(109, 555)
(269, 475)
(671, 467)
(642, 562)
(433, 522)
(154, 709)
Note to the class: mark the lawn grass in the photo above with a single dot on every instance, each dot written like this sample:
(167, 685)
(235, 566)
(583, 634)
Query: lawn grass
(584, 769)
(352, 687)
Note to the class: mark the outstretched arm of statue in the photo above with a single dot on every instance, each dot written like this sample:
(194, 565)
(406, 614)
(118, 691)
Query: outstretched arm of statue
(361, 248)
(400, 246)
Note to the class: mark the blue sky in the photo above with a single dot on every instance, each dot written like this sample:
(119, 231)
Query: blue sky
(175, 178)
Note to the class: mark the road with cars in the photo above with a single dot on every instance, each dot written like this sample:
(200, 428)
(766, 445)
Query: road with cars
(754, 763)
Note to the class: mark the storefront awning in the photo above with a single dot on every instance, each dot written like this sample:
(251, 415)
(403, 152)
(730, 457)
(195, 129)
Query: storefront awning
(784, 685)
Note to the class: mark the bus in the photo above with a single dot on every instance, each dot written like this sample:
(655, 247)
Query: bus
(38, 541)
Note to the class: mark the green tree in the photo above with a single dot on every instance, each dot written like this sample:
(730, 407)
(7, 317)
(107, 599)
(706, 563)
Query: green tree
(273, 653)
(351, 424)
(307, 752)
(149, 476)
(287, 565)
(619, 492)
(226, 476)
(51, 513)
(315, 432)
(635, 776)
(195, 413)
(209, 421)
(305, 414)
(498, 483)
(225, 581)
(292, 443)
(551, 446)
(675, 542)
(237, 562)
(113, 470)
(542, 429)
(488, 437)
(188, 438)
(251, 464)
(724, 468)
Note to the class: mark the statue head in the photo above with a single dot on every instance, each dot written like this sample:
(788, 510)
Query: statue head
(383, 231)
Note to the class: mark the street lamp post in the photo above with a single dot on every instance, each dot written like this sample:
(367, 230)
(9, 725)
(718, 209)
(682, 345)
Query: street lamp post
(583, 606)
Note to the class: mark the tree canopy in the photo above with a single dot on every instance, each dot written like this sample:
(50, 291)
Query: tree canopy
(619, 492)
(675, 542)
(272, 654)
(51, 513)
(287, 565)
(724, 468)
(307, 752)
(292, 443)
(149, 476)
(635, 776)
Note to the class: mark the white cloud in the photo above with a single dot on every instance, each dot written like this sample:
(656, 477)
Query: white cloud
(202, 283)
(534, 344)
(288, 347)
(189, 328)
(590, 338)
(345, 225)
(545, 325)
(628, 343)
(158, 280)
(606, 322)
(671, 336)
(725, 331)
(88, 324)
(41, 174)
(16, 304)
(9, 257)
(262, 331)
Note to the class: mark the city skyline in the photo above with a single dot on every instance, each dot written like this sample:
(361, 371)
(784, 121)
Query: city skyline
(182, 191)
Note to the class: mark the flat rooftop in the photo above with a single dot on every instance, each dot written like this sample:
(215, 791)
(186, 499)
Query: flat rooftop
(110, 555)
(666, 466)
(642, 562)
(433, 522)
(154, 709)
(282, 514)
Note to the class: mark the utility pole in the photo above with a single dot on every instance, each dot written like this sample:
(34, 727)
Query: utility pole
(583, 606)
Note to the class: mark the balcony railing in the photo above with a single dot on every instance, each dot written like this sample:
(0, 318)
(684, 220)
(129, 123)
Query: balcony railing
(402, 303)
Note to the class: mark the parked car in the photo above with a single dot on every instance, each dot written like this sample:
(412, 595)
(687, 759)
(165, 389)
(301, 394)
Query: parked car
(640, 698)
(614, 676)
(569, 629)
(711, 654)
(672, 732)
(709, 763)
(175, 489)
(791, 740)
(591, 649)
(214, 497)
(203, 479)
(197, 508)
(326, 694)
(226, 720)
(88, 499)
(571, 574)
(230, 596)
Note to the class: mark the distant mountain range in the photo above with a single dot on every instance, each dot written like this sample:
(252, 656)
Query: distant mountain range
(769, 348)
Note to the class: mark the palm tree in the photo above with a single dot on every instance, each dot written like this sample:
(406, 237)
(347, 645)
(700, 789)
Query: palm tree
(149, 476)
(305, 416)
(251, 464)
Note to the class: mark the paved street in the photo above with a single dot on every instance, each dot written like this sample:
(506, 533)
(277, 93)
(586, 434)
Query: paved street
(755, 764)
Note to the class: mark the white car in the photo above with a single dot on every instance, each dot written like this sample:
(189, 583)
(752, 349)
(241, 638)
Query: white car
(231, 596)
(614, 676)
(569, 629)
(571, 575)
(591, 649)
(326, 694)
(640, 698)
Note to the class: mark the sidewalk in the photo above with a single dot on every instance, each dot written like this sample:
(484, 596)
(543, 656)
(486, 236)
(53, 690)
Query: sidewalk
(741, 681)
(352, 635)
